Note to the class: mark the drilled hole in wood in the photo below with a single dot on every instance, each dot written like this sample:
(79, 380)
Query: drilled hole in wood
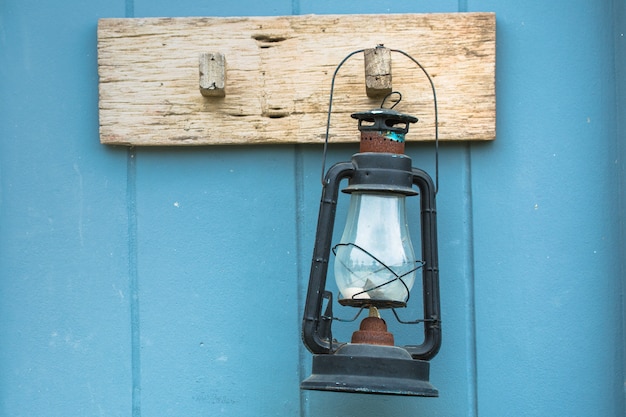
(268, 38)
(276, 114)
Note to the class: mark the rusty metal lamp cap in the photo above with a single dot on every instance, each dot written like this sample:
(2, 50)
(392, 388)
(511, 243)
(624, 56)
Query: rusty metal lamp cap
(383, 130)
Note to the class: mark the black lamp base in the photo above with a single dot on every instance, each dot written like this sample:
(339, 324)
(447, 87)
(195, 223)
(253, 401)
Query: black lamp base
(370, 369)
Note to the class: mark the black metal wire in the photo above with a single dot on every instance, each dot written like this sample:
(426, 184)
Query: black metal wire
(330, 107)
(382, 103)
(418, 321)
(432, 86)
(397, 277)
(349, 320)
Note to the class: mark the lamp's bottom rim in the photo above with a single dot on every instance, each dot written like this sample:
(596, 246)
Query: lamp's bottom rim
(425, 391)
(370, 369)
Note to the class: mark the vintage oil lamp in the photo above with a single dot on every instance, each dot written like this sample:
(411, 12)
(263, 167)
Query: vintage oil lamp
(375, 267)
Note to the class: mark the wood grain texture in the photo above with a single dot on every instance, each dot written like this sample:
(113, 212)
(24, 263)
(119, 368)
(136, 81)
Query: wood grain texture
(279, 74)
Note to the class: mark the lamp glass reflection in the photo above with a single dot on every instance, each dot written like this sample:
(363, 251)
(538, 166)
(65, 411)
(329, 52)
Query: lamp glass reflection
(375, 259)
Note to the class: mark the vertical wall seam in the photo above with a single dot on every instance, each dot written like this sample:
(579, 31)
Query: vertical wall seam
(470, 287)
(301, 288)
(619, 14)
(129, 8)
(470, 282)
(133, 278)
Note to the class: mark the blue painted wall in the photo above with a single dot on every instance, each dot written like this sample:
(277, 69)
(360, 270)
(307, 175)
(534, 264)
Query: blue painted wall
(170, 282)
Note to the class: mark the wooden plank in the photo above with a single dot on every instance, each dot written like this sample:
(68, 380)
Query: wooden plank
(279, 74)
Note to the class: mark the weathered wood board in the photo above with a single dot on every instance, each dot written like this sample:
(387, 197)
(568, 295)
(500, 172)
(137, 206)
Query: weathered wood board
(278, 77)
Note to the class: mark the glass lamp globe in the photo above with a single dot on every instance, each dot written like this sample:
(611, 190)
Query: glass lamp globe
(374, 262)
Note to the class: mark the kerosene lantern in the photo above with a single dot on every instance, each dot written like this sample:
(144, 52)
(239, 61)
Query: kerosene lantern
(375, 267)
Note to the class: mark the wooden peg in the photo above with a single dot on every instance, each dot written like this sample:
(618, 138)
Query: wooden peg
(377, 71)
(212, 74)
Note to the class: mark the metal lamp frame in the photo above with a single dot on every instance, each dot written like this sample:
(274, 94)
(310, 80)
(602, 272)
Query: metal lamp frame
(387, 168)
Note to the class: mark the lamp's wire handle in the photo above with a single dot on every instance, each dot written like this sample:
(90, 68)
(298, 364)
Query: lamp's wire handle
(432, 86)
(330, 108)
